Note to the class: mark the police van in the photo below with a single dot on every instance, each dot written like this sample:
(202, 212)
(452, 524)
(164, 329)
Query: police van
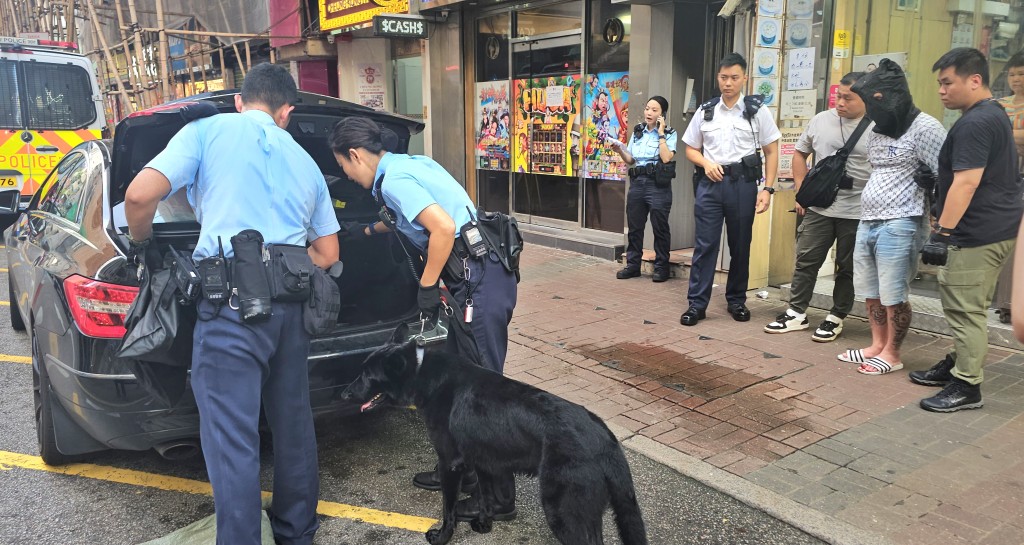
(51, 103)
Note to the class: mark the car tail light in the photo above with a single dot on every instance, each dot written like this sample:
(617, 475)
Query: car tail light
(97, 307)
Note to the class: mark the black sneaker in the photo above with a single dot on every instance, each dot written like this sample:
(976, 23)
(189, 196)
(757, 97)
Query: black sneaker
(829, 329)
(956, 396)
(938, 375)
(786, 322)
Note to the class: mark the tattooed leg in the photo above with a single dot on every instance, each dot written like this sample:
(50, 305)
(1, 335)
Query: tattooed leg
(879, 321)
(899, 325)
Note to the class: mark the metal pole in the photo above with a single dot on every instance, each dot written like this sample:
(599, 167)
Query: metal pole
(106, 52)
(132, 78)
(248, 55)
(164, 69)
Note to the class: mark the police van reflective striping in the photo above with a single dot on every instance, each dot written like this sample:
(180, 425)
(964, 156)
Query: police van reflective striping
(58, 106)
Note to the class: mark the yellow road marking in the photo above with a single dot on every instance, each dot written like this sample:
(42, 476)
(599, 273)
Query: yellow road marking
(5, 303)
(189, 486)
(3, 269)
(15, 359)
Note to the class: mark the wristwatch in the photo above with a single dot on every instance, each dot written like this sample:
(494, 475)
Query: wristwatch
(770, 190)
(944, 231)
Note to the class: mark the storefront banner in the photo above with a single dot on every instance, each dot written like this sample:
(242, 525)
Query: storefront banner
(338, 14)
(370, 85)
(494, 126)
(546, 125)
(798, 32)
(770, 8)
(607, 117)
(787, 148)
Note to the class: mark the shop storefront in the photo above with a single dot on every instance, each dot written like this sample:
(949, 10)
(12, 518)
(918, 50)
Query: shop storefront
(546, 98)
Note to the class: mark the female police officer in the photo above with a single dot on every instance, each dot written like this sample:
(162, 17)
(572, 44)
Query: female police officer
(431, 209)
(652, 144)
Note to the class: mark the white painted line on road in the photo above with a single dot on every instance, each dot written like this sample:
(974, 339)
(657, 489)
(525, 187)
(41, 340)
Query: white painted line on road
(15, 359)
(189, 486)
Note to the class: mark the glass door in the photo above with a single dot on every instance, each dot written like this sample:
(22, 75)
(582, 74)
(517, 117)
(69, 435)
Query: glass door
(546, 78)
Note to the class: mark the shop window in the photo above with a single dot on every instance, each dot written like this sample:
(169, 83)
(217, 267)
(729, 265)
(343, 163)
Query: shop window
(916, 33)
(550, 19)
(492, 128)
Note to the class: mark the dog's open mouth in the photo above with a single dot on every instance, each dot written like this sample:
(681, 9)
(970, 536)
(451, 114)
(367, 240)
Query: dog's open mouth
(372, 403)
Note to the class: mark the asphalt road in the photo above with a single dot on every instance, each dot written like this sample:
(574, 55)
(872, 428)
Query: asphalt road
(365, 461)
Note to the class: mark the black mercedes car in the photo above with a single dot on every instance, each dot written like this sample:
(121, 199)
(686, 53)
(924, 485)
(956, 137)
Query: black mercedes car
(71, 286)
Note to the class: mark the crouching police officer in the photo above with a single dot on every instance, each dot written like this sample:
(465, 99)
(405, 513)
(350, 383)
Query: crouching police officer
(432, 211)
(650, 191)
(243, 171)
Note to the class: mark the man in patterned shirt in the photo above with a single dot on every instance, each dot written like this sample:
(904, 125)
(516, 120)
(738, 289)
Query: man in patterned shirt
(891, 230)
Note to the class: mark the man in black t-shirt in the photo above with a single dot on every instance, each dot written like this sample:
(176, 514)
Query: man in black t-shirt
(978, 207)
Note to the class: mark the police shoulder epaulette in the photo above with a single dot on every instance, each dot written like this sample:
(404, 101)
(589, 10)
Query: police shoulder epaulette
(669, 130)
(751, 104)
(709, 108)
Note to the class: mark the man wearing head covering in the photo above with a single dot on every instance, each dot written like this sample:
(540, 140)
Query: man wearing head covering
(904, 144)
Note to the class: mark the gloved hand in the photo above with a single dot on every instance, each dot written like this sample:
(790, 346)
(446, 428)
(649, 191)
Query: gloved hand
(429, 300)
(936, 250)
(352, 230)
(925, 178)
(143, 254)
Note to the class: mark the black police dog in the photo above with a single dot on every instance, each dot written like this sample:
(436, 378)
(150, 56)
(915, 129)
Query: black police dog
(480, 419)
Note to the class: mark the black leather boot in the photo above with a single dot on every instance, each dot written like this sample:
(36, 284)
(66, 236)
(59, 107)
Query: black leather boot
(504, 507)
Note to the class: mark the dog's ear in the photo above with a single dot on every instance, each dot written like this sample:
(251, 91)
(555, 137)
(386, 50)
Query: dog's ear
(401, 333)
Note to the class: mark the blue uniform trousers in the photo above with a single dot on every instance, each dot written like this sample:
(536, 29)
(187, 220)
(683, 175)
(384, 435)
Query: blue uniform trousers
(645, 198)
(493, 291)
(234, 366)
(733, 201)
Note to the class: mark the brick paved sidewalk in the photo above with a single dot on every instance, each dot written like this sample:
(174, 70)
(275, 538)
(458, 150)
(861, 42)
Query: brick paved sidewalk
(777, 410)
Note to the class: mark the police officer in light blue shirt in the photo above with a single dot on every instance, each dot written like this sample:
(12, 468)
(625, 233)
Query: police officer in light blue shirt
(244, 171)
(431, 209)
(653, 144)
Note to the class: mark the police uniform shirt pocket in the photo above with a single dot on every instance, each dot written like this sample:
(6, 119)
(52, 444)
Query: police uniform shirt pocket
(743, 132)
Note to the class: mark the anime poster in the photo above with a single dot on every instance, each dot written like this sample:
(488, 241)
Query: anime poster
(606, 116)
(547, 136)
(494, 125)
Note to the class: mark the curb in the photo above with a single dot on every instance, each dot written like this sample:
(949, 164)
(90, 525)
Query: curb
(815, 523)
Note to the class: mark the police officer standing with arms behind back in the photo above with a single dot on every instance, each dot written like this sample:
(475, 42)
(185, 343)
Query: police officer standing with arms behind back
(244, 171)
(724, 141)
(978, 210)
(432, 212)
(653, 144)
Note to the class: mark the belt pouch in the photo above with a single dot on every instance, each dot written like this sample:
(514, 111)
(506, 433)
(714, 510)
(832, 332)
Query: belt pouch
(752, 166)
(664, 173)
(249, 275)
(290, 272)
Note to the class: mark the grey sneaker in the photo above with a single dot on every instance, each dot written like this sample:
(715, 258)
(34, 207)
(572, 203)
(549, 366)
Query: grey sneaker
(786, 322)
(829, 329)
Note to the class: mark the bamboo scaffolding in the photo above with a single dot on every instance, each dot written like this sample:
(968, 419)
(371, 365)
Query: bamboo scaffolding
(132, 78)
(106, 51)
(140, 57)
(14, 18)
(164, 69)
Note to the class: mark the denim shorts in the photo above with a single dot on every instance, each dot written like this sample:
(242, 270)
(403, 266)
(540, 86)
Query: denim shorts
(885, 258)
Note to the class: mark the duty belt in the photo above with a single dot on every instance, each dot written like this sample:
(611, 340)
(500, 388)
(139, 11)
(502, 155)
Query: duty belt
(643, 170)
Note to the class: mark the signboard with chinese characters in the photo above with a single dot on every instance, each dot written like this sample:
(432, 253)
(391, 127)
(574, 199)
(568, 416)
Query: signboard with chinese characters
(349, 14)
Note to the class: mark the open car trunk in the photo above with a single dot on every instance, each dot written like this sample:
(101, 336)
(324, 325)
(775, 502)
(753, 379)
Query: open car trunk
(377, 284)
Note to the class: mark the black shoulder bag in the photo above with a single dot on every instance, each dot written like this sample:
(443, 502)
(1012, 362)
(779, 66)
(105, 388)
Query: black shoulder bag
(821, 185)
